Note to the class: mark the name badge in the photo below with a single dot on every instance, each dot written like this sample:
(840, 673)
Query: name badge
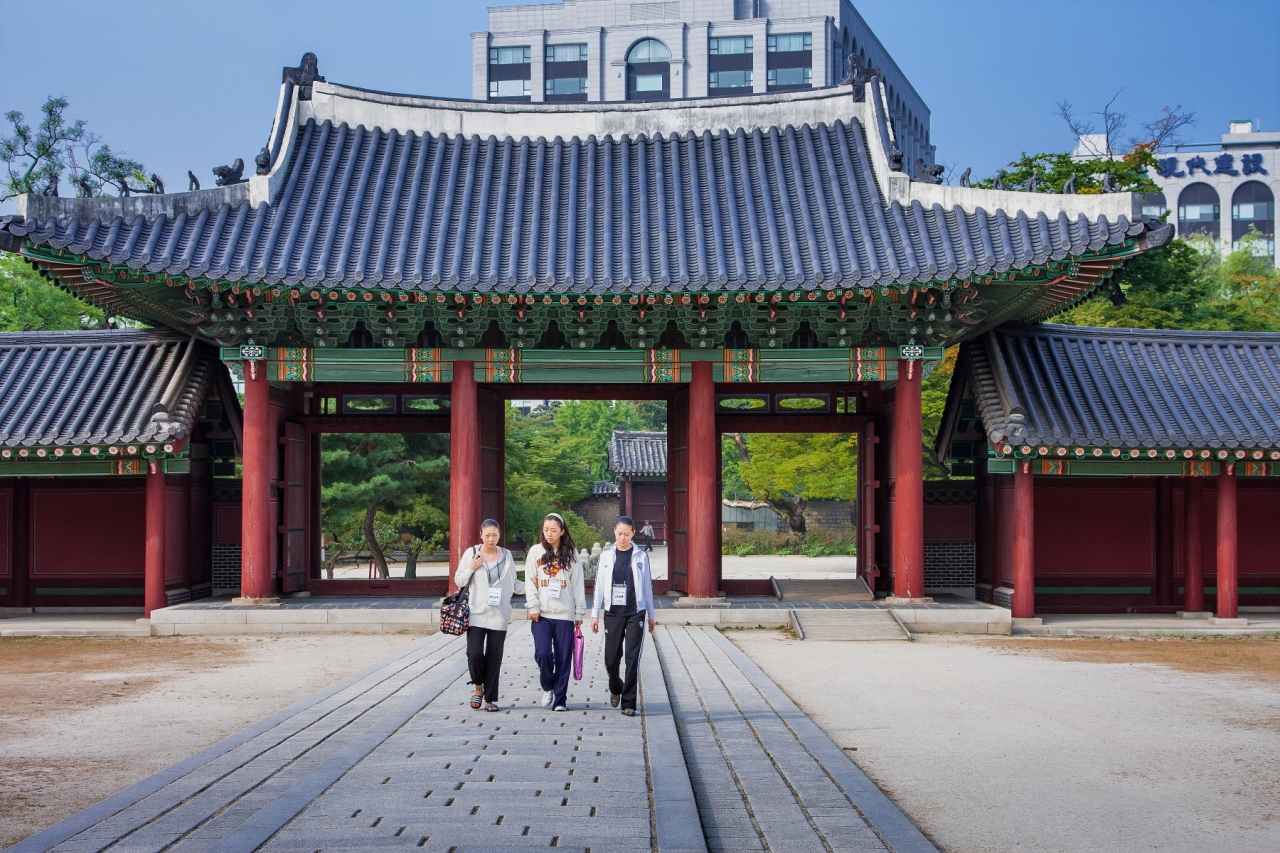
(619, 595)
(555, 588)
(495, 596)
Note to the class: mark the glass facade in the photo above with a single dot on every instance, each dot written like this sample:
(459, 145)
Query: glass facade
(510, 73)
(1198, 211)
(790, 61)
(1253, 209)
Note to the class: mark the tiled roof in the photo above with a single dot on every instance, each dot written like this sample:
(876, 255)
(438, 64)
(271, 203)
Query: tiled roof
(605, 489)
(1049, 385)
(101, 387)
(638, 454)
(778, 206)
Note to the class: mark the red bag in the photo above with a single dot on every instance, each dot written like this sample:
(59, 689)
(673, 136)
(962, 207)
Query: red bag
(579, 645)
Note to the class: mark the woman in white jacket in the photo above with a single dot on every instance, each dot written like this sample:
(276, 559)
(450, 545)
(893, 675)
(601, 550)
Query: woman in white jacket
(489, 574)
(557, 604)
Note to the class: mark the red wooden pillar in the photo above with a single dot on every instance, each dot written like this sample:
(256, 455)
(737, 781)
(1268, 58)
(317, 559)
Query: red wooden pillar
(156, 551)
(464, 464)
(1228, 546)
(1193, 584)
(628, 497)
(908, 488)
(704, 498)
(1023, 604)
(257, 516)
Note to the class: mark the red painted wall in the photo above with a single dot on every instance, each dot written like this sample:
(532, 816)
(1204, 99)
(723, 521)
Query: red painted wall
(1093, 528)
(6, 537)
(226, 524)
(176, 560)
(88, 532)
(948, 523)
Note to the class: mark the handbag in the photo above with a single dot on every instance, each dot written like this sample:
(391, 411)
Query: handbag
(455, 613)
(579, 645)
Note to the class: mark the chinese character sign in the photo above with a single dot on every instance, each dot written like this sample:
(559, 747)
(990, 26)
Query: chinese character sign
(1224, 164)
(1168, 168)
(1252, 164)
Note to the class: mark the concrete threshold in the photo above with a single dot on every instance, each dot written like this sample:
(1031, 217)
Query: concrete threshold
(1256, 624)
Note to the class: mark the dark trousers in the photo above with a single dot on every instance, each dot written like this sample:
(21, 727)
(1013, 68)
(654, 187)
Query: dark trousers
(553, 651)
(648, 541)
(484, 657)
(624, 636)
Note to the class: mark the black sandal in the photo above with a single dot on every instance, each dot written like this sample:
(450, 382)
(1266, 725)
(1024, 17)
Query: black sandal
(491, 707)
(476, 700)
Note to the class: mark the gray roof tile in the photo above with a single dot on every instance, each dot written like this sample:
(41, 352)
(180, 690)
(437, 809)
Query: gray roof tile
(101, 387)
(1057, 385)
(638, 454)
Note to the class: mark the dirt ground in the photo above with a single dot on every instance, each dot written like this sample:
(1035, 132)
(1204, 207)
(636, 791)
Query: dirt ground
(83, 718)
(1054, 744)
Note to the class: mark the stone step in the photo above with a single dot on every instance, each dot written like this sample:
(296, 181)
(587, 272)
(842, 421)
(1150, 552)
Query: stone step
(812, 589)
(848, 625)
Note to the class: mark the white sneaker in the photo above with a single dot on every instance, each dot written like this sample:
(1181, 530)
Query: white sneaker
(560, 708)
(547, 697)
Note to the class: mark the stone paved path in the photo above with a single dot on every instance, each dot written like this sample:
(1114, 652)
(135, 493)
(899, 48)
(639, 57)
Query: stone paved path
(393, 758)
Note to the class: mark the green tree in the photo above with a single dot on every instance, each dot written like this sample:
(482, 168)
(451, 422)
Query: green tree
(786, 471)
(377, 486)
(58, 153)
(30, 303)
(1053, 171)
(547, 471)
(593, 422)
(933, 399)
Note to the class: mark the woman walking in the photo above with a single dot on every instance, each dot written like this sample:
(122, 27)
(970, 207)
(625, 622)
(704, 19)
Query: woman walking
(556, 606)
(624, 594)
(489, 574)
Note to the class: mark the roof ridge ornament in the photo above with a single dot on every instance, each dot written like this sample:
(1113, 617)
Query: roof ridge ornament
(306, 73)
(926, 174)
(858, 75)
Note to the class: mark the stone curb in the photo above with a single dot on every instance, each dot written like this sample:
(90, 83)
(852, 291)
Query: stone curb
(675, 811)
(78, 823)
(884, 816)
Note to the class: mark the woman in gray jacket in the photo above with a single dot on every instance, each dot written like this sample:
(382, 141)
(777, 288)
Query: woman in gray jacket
(489, 574)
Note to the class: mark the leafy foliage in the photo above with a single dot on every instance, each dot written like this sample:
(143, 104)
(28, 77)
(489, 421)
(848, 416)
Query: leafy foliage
(740, 542)
(1188, 285)
(1052, 171)
(547, 471)
(39, 158)
(30, 303)
(593, 422)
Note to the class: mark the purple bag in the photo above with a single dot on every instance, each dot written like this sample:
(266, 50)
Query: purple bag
(579, 644)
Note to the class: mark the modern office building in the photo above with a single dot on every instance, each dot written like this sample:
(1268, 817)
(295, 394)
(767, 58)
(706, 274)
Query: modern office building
(618, 50)
(1221, 190)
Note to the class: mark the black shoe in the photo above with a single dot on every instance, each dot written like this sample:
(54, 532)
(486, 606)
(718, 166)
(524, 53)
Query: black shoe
(628, 712)
(614, 699)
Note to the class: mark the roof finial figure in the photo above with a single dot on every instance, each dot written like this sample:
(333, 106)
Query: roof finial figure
(51, 188)
(1069, 188)
(999, 181)
(1033, 183)
(307, 72)
(228, 175)
(263, 161)
(1109, 183)
(964, 179)
(85, 183)
(193, 183)
(157, 185)
(895, 157)
(926, 174)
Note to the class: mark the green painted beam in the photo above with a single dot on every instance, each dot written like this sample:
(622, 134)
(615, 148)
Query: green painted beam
(114, 467)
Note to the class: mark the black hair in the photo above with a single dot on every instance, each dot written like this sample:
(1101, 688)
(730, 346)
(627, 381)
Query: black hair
(489, 522)
(567, 552)
(628, 521)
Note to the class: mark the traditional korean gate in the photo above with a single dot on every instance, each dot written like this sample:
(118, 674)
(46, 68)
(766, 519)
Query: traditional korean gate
(678, 490)
(297, 509)
(867, 486)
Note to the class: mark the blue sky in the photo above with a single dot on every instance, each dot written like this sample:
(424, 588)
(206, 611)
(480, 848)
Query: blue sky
(191, 84)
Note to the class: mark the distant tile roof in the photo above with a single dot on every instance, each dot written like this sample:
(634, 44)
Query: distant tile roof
(797, 201)
(101, 387)
(605, 489)
(638, 454)
(1051, 385)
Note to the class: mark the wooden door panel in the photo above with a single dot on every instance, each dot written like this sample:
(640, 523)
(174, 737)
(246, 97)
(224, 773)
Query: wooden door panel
(297, 508)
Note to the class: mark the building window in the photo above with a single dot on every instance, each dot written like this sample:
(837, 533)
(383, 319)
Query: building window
(566, 72)
(730, 80)
(648, 71)
(790, 43)
(509, 56)
(1253, 208)
(729, 45)
(790, 61)
(560, 87)
(566, 53)
(1198, 211)
(1154, 205)
(509, 89)
(785, 78)
(510, 73)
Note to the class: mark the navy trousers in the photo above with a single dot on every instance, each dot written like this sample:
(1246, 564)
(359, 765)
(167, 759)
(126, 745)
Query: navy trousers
(553, 650)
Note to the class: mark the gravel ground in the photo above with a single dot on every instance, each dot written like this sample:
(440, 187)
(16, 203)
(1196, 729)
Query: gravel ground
(1054, 745)
(81, 719)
